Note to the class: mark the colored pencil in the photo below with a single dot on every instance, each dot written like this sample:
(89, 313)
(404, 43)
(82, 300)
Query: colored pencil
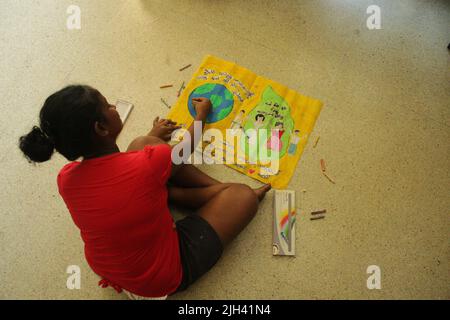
(326, 176)
(165, 102)
(315, 143)
(319, 212)
(185, 67)
(322, 165)
(181, 89)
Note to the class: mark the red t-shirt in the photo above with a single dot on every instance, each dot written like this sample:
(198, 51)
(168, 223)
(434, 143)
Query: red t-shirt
(119, 203)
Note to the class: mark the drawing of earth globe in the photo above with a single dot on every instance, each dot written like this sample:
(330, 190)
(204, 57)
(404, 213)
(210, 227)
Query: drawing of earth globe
(221, 100)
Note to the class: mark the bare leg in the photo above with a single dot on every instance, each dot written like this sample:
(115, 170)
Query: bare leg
(230, 210)
(194, 198)
(189, 176)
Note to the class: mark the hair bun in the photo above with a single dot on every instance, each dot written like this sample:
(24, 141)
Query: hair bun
(36, 145)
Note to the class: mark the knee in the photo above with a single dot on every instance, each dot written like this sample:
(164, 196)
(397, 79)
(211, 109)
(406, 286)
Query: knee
(245, 195)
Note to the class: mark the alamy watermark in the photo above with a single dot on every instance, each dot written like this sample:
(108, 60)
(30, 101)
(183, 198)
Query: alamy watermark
(74, 280)
(374, 280)
(373, 22)
(239, 147)
(73, 21)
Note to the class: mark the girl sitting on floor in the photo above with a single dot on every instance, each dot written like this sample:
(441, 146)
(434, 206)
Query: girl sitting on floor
(119, 200)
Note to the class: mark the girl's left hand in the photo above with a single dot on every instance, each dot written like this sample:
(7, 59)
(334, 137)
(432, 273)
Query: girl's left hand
(163, 128)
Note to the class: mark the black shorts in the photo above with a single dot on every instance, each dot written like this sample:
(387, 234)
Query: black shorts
(200, 248)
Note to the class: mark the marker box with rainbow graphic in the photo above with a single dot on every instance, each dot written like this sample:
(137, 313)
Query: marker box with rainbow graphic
(284, 215)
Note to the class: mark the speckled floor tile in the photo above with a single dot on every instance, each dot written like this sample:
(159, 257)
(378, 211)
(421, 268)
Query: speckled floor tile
(384, 133)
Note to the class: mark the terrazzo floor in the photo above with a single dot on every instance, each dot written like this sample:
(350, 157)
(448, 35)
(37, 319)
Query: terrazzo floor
(384, 132)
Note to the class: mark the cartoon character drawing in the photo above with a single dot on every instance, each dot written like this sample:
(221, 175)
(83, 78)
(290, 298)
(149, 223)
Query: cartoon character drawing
(274, 143)
(293, 142)
(236, 124)
(259, 121)
(268, 113)
(252, 135)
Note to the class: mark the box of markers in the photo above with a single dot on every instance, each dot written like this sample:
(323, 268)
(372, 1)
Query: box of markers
(284, 215)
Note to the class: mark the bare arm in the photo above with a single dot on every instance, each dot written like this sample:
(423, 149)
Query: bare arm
(188, 137)
(202, 107)
(140, 142)
(160, 133)
(162, 130)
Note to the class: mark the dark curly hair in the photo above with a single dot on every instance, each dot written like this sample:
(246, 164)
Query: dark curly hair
(67, 122)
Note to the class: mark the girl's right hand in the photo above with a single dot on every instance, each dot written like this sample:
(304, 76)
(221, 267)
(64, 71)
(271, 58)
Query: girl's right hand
(202, 106)
(163, 128)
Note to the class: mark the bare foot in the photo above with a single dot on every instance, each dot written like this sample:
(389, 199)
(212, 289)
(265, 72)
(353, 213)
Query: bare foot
(261, 192)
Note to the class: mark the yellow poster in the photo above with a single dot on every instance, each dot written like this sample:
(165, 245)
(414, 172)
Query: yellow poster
(262, 126)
